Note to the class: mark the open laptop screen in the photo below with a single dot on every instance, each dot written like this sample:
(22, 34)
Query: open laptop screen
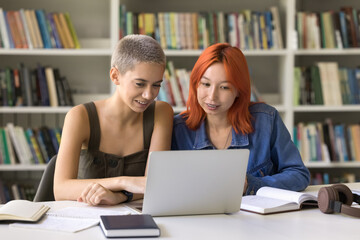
(195, 182)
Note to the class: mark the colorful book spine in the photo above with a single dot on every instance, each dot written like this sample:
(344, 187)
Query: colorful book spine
(43, 26)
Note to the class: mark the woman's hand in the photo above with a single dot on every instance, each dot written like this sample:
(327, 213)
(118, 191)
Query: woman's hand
(135, 184)
(96, 194)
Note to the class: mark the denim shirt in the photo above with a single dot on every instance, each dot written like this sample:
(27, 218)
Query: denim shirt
(274, 159)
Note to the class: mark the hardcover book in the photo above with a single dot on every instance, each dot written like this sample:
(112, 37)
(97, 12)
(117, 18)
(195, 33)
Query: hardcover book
(129, 226)
(274, 200)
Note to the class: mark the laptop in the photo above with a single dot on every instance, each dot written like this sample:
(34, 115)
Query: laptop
(195, 182)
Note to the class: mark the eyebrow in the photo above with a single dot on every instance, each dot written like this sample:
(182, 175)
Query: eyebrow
(143, 80)
(225, 81)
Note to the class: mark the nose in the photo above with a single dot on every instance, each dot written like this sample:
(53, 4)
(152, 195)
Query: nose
(213, 93)
(148, 94)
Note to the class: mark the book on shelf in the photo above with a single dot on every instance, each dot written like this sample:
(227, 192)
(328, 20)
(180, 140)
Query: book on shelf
(25, 87)
(22, 210)
(336, 28)
(274, 200)
(3, 29)
(43, 86)
(187, 30)
(142, 225)
(72, 30)
(328, 142)
(21, 29)
(320, 178)
(50, 80)
(28, 146)
(34, 28)
(44, 31)
(325, 83)
(14, 31)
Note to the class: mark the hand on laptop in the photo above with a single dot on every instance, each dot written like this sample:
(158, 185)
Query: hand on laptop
(96, 194)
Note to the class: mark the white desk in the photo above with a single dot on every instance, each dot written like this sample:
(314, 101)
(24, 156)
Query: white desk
(304, 224)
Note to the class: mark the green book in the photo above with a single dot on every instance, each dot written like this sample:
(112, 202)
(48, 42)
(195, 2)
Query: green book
(316, 84)
(3, 147)
(344, 86)
(72, 30)
(10, 87)
(296, 91)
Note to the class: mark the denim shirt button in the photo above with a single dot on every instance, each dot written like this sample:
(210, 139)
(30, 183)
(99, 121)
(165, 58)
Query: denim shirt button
(113, 163)
(252, 192)
(96, 161)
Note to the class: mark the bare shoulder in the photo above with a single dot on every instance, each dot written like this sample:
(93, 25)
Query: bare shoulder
(77, 122)
(77, 114)
(163, 109)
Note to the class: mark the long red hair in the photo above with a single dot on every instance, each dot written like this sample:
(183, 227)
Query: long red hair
(237, 74)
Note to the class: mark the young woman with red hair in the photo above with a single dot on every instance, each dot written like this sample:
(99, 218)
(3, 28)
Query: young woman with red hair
(219, 115)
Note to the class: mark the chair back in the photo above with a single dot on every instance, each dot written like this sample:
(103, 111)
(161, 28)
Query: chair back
(45, 191)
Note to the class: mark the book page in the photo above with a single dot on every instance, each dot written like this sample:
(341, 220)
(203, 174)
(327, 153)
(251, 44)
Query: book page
(285, 195)
(90, 212)
(264, 204)
(21, 208)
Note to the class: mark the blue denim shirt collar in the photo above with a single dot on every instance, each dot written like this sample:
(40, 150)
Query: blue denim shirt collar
(203, 142)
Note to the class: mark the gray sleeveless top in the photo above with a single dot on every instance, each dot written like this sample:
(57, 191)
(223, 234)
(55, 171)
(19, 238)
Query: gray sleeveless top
(96, 164)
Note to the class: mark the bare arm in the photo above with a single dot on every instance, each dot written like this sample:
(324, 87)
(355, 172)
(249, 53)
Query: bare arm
(160, 141)
(76, 131)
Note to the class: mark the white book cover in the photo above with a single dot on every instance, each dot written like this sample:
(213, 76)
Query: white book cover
(28, 157)
(50, 80)
(16, 143)
(3, 29)
(9, 146)
(174, 85)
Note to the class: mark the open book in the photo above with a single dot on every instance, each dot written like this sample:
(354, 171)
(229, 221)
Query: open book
(22, 210)
(272, 200)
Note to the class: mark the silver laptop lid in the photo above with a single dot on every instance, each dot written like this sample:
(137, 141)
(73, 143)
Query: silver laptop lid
(195, 182)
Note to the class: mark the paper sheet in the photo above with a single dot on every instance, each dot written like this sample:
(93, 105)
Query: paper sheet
(72, 219)
(59, 224)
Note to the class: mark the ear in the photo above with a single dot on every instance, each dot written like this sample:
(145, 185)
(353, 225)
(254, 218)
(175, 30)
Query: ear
(114, 75)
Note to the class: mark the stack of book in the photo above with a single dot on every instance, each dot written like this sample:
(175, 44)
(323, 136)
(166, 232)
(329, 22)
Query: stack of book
(325, 83)
(320, 178)
(29, 28)
(28, 146)
(329, 29)
(15, 191)
(328, 142)
(175, 87)
(43, 86)
(245, 29)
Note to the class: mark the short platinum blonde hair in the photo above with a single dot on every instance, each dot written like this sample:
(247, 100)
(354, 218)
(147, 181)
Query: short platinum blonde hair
(134, 49)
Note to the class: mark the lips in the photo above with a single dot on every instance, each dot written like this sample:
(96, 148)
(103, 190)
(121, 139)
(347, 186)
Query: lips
(142, 103)
(212, 106)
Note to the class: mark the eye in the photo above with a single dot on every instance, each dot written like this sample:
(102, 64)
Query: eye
(205, 84)
(225, 87)
(158, 85)
(140, 84)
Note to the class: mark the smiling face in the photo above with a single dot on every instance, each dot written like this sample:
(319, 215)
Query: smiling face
(214, 93)
(140, 86)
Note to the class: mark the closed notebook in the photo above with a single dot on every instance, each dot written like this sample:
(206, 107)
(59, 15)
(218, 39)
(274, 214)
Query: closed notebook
(22, 210)
(129, 226)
